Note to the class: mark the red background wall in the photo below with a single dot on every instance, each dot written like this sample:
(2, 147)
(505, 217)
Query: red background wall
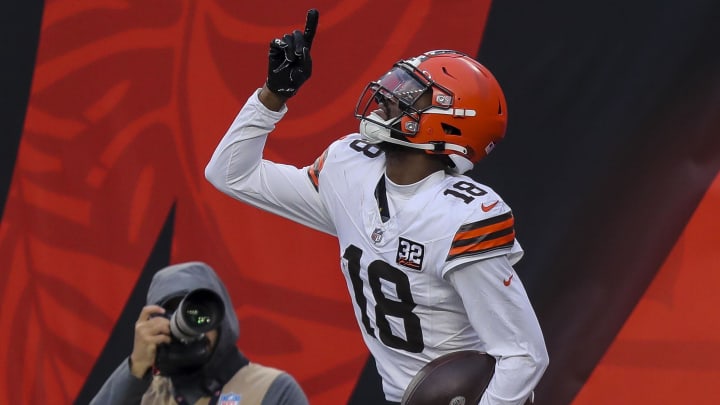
(611, 164)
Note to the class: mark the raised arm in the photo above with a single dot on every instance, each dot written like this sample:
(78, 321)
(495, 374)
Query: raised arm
(237, 167)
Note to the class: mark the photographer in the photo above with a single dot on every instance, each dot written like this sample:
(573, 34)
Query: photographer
(184, 350)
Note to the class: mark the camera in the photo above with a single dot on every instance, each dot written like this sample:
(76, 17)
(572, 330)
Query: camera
(199, 311)
(191, 316)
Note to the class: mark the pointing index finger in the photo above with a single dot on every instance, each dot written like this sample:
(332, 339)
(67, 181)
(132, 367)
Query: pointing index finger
(311, 23)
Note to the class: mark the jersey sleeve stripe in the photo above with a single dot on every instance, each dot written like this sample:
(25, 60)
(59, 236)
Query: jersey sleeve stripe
(482, 247)
(460, 243)
(314, 170)
(314, 177)
(485, 222)
(483, 236)
(480, 228)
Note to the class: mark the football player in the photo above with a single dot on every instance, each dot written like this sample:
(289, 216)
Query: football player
(427, 252)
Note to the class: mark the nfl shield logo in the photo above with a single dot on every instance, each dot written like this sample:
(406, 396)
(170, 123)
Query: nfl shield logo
(377, 235)
(230, 398)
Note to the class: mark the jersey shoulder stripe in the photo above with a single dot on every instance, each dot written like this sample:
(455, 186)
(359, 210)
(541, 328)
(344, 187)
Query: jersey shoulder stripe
(345, 149)
(483, 236)
(314, 170)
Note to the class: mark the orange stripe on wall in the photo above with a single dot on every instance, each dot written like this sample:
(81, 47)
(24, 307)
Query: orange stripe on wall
(668, 351)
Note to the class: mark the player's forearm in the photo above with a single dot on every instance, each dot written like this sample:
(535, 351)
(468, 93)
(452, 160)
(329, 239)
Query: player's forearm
(523, 356)
(514, 380)
(238, 170)
(505, 321)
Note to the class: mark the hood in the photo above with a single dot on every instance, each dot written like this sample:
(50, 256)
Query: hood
(226, 359)
(180, 279)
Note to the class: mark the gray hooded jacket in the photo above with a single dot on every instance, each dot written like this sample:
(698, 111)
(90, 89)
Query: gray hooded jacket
(124, 388)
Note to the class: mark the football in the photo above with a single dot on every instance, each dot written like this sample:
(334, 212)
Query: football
(457, 378)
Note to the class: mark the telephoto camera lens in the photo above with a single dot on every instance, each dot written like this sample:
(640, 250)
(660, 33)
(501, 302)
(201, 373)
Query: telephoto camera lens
(199, 311)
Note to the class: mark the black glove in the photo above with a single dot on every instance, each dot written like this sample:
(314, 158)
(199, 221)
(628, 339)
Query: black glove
(290, 64)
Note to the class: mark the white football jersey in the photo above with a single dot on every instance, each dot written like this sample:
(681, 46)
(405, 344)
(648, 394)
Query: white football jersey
(407, 311)
(405, 270)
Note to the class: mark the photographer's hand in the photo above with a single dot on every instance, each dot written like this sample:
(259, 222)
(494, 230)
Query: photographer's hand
(149, 332)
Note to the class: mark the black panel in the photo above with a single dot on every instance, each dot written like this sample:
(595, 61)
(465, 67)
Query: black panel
(611, 144)
(20, 29)
(368, 389)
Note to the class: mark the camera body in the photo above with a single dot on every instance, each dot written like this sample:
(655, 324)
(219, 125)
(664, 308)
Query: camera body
(191, 316)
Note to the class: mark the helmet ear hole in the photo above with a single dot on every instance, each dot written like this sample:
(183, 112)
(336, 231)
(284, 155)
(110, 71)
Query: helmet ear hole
(450, 130)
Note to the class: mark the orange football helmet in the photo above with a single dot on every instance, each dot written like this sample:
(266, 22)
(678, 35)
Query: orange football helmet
(465, 117)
